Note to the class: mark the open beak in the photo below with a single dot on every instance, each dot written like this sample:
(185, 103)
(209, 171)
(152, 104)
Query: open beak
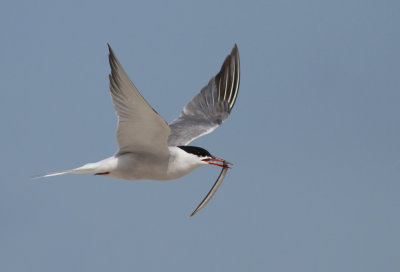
(218, 162)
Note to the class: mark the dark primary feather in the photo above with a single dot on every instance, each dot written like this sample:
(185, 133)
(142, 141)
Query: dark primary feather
(211, 106)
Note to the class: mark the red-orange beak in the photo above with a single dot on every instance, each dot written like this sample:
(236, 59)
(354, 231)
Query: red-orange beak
(217, 162)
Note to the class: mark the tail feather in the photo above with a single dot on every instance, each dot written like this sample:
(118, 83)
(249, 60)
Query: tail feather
(51, 174)
(89, 168)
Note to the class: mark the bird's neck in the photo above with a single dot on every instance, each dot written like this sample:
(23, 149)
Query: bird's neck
(181, 162)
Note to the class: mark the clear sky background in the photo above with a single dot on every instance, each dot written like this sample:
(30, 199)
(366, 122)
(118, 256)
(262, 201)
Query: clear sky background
(314, 136)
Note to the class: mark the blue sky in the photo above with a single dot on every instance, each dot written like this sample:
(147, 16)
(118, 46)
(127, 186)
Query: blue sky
(314, 136)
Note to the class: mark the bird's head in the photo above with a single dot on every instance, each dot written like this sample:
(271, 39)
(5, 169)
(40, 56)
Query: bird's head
(204, 156)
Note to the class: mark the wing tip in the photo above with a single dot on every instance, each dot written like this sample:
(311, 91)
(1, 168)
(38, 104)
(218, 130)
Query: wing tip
(109, 49)
(114, 63)
(235, 48)
(115, 66)
(230, 72)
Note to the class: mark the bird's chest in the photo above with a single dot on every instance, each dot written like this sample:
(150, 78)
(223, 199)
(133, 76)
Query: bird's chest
(179, 166)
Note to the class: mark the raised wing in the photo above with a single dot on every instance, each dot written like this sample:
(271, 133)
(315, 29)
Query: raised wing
(209, 108)
(140, 128)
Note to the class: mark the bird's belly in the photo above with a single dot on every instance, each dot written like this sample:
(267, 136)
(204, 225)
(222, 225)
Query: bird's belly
(135, 167)
(138, 169)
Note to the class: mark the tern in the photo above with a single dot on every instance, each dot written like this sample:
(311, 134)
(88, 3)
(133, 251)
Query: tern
(149, 147)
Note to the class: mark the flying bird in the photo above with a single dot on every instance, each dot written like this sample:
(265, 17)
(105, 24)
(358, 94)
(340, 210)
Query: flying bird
(149, 147)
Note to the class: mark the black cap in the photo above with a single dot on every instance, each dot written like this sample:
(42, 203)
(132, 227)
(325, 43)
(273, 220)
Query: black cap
(198, 151)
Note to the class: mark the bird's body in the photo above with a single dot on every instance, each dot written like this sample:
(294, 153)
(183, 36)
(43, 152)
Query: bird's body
(149, 148)
(135, 166)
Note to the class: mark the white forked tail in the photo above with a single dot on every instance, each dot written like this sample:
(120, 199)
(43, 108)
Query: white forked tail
(52, 174)
(89, 168)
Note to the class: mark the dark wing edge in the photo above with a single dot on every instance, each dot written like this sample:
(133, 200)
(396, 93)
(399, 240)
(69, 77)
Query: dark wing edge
(212, 106)
(228, 78)
(116, 82)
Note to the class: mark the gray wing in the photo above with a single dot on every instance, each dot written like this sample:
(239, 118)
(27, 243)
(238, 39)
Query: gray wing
(209, 108)
(140, 127)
